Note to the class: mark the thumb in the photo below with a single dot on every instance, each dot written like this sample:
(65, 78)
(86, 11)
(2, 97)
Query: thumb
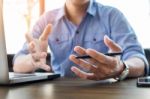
(46, 32)
(31, 47)
(114, 47)
(28, 37)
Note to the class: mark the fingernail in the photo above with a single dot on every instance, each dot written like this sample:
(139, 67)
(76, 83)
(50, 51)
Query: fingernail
(106, 37)
(71, 57)
(77, 48)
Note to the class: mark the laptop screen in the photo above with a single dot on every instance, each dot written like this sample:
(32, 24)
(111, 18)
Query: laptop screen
(3, 54)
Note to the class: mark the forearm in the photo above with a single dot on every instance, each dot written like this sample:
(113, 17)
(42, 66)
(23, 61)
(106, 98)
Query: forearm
(136, 67)
(23, 64)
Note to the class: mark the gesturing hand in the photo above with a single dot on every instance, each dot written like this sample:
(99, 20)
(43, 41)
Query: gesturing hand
(99, 66)
(38, 49)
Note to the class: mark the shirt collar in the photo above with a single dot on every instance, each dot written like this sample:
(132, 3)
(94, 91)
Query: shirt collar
(91, 10)
(61, 13)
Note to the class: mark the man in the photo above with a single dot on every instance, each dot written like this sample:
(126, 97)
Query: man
(83, 27)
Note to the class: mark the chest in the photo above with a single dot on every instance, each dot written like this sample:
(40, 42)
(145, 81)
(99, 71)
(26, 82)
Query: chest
(89, 34)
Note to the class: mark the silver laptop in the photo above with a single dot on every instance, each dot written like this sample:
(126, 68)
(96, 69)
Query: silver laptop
(7, 77)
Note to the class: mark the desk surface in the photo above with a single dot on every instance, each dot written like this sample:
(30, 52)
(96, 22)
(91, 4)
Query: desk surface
(64, 88)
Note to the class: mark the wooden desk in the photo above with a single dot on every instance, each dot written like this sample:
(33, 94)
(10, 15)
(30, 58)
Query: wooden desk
(63, 88)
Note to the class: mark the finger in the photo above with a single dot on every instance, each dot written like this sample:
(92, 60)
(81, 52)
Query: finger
(46, 33)
(80, 50)
(92, 67)
(43, 58)
(100, 57)
(110, 62)
(41, 66)
(45, 67)
(83, 63)
(43, 62)
(39, 55)
(31, 47)
(43, 55)
(40, 61)
(36, 57)
(114, 47)
(83, 74)
(29, 38)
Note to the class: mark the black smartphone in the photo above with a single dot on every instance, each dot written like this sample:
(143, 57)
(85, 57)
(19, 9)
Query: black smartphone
(143, 81)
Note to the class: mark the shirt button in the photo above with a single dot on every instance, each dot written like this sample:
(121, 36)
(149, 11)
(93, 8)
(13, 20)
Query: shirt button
(77, 32)
(94, 39)
(57, 40)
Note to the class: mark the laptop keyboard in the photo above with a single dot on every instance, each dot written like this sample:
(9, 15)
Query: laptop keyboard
(18, 75)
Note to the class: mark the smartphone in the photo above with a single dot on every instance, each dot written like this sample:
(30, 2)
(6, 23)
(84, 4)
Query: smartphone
(143, 81)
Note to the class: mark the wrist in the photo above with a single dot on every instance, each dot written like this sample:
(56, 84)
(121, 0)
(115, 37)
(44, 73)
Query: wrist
(124, 71)
(122, 67)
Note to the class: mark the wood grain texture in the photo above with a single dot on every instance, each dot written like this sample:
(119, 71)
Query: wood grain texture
(74, 88)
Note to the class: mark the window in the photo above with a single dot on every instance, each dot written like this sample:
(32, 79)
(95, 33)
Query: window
(137, 13)
(16, 21)
(17, 13)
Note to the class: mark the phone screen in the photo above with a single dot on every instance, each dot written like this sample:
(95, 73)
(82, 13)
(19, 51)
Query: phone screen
(143, 81)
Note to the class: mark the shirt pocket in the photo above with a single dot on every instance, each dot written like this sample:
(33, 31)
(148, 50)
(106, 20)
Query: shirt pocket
(59, 39)
(95, 41)
(59, 45)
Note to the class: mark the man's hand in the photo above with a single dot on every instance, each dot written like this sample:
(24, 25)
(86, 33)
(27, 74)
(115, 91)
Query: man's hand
(38, 49)
(100, 66)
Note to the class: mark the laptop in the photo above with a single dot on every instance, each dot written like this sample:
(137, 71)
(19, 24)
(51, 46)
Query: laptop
(7, 77)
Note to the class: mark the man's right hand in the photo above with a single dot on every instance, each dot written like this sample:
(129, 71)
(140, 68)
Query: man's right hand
(38, 49)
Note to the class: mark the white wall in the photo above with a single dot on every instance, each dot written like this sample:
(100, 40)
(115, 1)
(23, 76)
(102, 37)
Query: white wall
(138, 14)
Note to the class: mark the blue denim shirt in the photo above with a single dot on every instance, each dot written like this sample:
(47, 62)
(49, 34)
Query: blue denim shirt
(99, 20)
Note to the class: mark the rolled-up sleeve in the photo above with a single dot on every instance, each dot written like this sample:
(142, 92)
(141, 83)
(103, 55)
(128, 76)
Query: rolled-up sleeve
(123, 34)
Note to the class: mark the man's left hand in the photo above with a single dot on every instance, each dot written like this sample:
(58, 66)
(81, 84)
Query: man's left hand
(100, 66)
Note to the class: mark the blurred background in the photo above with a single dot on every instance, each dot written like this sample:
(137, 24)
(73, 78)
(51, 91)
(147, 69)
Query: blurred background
(21, 15)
